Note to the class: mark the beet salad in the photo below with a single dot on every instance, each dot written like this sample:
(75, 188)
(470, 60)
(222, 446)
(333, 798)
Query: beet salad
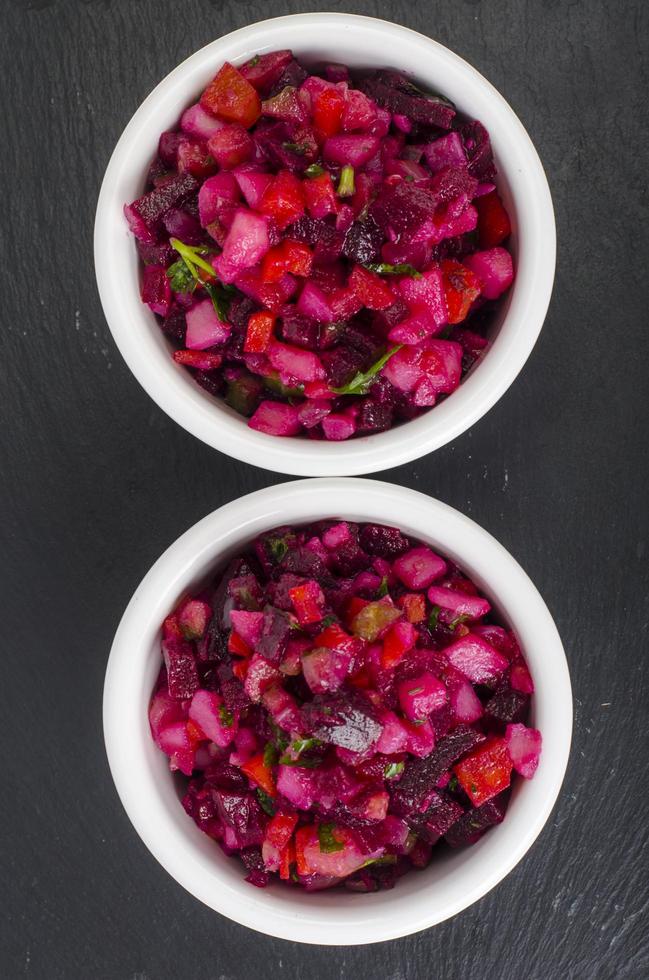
(324, 251)
(343, 706)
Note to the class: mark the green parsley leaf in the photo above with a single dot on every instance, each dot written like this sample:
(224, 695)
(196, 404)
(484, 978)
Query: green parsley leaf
(328, 843)
(266, 802)
(277, 547)
(360, 383)
(434, 617)
(393, 769)
(275, 385)
(221, 296)
(452, 784)
(314, 170)
(226, 716)
(270, 755)
(328, 621)
(400, 269)
(299, 148)
(383, 587)
(180, 278)
(253, 61)
(459, 619)
(192, 258)
(419, 721)
(346, 183)
(386, 859)
(293, 754)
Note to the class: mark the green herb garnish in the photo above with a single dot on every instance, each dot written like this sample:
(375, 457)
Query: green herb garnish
(275, 385)
(266, 802)
(393, 769)
(400, 269)
(277, 548)
(226, 717)
(385, 860)
(293, 755)
(434, 617)
(458, 619)
(328, 843)
(270, 755)
(328, 621)
(360, 383)
(452, 784)
(314, 170)
(415, 690)
(383, 587)
(191, 257)
(346, 183)
(299, 148)
(253, 61)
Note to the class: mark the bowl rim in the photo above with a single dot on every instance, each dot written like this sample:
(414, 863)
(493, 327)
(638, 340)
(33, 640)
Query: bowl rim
(137, 766)
(174, 391)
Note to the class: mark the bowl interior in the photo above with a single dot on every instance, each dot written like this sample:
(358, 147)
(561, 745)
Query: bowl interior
(150, 794)
(361, 43)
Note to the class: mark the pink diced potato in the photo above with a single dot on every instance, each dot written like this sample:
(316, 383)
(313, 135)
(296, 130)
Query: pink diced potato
(421, 738)
(209, 713)
(338, 426)
(217, 194)
(394, 737)
(276, 419)
(196, 121)
(476, 659)
(494, 269)
(246, 244)
(419, 567)
(445, 151)
(248, 625)
(204, 329)
(295, 362)
(259, 677)
(253, 183)
(352, 150)
(465, 703)
(176, 743)
(524, 748)
(459, 602)
(418, 696)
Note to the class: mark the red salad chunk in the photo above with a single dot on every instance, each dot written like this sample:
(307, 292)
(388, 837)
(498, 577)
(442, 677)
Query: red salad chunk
(355, 213)
(341, 706)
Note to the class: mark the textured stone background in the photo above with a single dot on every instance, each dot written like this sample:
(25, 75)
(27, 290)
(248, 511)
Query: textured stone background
(95, 482)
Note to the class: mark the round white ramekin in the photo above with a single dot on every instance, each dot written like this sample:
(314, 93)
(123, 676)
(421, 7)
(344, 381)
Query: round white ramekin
(360, 42)
(150, 794)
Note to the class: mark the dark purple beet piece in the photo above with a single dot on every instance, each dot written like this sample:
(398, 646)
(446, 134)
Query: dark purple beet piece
(174, 326)
(211, 381)
(469, 827)
(159, 254)
(421, 776)
(324, 238)
(347, 720)
(397, 93)
(440, 815)
(294, 74)
(278, 591)
(363, 241)
(246, 592)
(222, 603)
(254, 864)
(450, 183)
(341, 364)
(383, 541)
(349, 558)
(275, 635)
(222, 775)
(182, 675)
(478, 148)
(373, 417)
(234, 808)
(298, 329)
(180, 224)
(403, 208)
(152, 207)
(302, 561)
(362, 338)
(507, 705)
(168, 147)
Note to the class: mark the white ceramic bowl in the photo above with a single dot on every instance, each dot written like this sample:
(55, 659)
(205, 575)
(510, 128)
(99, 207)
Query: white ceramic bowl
(360, 42)
(151, 796)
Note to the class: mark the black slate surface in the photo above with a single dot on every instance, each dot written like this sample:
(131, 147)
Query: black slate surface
(95, 482)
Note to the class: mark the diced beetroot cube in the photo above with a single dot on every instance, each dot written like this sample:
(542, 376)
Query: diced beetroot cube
(283, 201)
(204, 329)
(419, 567)
(418, 696)
(486, 772)
(350, 150)
(246, 244)
(177, 744)
(145, 215)
(474, 607)
(253, 183)
(230, 146)
(178, 653)
(232, 98)
(520, 677)
(441, 362)
(197, 122)
(472, 825)
(261, 674)
(476, 659)
(156, 289)
(209, 713)
(271, 295)
(264, 70)
(282, 708)
(524, 748)
(337, 426)
(494, 269)
(507, 705)
(217, 194)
